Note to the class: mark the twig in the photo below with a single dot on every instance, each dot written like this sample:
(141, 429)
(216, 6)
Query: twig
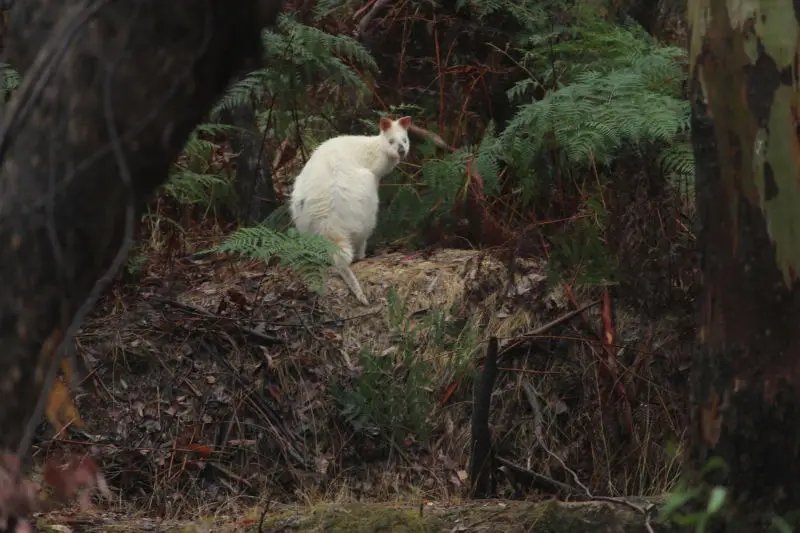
(543, 329)
(362, 25)
(530, 393)
(644, 511)
(263, 516)
(540, 481)
(435, 138)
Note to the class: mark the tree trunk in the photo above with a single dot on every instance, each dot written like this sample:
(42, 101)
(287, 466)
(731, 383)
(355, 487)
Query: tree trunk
(110, 93)
(255, 190)
(663, 19)
(747, 370)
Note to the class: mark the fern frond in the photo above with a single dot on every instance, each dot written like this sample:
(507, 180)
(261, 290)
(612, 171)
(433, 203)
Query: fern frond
(10, 78)
(677, 163)
(591, 119)
(309, 254)
(193, 188)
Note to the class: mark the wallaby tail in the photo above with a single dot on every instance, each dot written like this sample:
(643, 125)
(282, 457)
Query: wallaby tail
(341, 261)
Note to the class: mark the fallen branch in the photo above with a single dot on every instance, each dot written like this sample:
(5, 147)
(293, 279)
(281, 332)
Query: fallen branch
(541, 330)
(517, 474)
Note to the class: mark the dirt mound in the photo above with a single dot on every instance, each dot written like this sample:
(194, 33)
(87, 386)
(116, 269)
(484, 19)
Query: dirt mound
(237, 382)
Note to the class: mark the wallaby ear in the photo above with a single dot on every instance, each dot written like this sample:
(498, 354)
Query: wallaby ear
(385, 124)
(405, 122)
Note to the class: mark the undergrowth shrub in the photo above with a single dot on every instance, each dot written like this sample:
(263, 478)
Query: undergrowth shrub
(579, 255)
(195, 178)
(393, 397)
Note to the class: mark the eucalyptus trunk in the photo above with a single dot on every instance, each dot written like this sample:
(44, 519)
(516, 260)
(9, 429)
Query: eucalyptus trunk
(747, 369)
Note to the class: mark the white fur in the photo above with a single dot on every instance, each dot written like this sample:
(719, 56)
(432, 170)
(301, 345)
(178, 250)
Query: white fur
(336, 193)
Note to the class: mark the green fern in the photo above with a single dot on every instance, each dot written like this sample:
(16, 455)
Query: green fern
(677, 163)
(599, 116)
(613, 94)
(9, 79)
(193, 179)
(380, 402)
(190, 188)
(309, 254)
(579, 253)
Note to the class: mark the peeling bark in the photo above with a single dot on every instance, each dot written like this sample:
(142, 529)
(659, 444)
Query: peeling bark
(747, 370)
(110, 94)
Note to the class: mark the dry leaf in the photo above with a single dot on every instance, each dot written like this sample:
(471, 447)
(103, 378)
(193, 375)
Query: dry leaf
(60, 410)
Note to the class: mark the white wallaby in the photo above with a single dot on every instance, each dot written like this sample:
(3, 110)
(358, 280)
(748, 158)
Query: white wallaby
(336, 193)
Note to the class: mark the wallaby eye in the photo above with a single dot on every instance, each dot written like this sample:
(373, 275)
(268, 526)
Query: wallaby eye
(391, 141)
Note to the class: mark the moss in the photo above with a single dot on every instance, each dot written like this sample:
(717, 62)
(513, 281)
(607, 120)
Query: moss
(510, 517)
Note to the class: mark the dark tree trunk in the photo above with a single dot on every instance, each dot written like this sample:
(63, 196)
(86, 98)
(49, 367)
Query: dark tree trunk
(254, 187)
(482, 459)
(747, 370)
(110, 94)
(663, 19)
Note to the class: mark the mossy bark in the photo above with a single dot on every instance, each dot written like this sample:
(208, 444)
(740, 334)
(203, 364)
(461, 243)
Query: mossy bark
(747, 368)
(110, 93)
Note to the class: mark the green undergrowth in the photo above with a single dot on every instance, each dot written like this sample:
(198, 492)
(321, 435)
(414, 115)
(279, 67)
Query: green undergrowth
(393, 396)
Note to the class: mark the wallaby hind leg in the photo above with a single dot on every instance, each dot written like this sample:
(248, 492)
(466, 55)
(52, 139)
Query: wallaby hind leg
(350, 279)
(361, 249)
(342, 262)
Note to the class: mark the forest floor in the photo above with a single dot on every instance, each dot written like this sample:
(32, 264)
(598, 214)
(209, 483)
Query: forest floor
(482, 516)
(214, 384)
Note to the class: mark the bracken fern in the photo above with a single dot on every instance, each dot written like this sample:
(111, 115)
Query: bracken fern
(308, 254)
(193, 178)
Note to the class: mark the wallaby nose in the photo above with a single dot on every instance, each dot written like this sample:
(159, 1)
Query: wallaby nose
(401, 150)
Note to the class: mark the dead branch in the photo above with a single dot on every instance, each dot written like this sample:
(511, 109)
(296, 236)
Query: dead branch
(365, 22)
(516, 341)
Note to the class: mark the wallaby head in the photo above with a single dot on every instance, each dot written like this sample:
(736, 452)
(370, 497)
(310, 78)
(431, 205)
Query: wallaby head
(394, 137)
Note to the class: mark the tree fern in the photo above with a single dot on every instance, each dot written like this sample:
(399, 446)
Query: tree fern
(310, 255)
